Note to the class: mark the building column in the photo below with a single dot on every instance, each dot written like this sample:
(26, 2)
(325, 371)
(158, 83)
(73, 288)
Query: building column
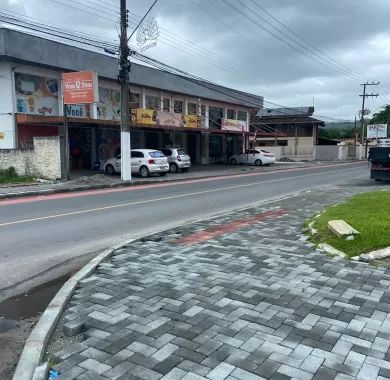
(207, 124)
(143, 100)
(8, 131)
(225, 112)
(161, 101)
(186, 106)
(204, 149)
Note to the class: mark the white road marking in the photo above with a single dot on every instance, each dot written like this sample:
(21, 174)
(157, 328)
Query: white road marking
(166, 198)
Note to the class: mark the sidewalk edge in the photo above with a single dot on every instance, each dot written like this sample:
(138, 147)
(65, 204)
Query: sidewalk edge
(35, 344)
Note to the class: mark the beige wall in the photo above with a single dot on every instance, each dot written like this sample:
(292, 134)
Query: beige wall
(43, 161)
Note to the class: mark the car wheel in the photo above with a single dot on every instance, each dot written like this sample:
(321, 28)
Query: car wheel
(258, 163)
(109, 170)
(173, 168)
(233, 161)
(162, 174)
(144, 172)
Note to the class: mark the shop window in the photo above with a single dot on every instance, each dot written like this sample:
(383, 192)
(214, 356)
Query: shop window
(191, 109)
(178, 106)
(134, 100)
(203, 110)
(215, 117)
(241, 115)
(166, 105)
(152, 102)
(231, 114)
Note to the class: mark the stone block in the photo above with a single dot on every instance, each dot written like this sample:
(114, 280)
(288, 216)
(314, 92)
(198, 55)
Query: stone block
(341, 228)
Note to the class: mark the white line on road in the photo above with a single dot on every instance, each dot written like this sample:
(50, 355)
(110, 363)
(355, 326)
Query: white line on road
(167, 198)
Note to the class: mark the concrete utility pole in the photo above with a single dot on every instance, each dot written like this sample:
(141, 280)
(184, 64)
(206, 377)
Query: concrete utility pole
(124, 69)
(364, 96)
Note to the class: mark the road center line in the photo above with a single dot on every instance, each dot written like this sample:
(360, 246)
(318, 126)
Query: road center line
(167, 198)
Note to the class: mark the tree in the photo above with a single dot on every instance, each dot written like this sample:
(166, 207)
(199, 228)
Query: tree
(382, 117)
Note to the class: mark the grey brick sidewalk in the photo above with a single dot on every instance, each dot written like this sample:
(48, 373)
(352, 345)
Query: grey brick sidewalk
(254, 303)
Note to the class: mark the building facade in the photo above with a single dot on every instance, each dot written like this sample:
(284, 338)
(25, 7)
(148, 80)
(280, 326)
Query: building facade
(292, 131)
(168, 110)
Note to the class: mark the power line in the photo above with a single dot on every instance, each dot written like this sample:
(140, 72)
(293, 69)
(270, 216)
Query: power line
(304, 40)
(142, 19)
(101, 44)
(303, 52)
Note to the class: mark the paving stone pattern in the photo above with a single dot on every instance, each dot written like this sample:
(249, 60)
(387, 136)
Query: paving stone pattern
(257, 303)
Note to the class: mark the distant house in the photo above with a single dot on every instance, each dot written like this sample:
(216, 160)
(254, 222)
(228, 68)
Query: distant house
(293, 128)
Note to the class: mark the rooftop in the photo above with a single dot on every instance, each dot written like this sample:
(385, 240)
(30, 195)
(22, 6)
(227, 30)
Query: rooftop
(21, 47)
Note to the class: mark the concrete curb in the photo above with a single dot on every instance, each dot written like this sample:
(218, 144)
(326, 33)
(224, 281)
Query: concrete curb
(35, 344)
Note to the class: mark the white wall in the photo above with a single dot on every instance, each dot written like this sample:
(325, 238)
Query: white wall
(7, 110)
(44, 161)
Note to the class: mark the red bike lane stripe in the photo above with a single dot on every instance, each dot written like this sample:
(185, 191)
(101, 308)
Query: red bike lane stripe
(212, 232)
(76, 194)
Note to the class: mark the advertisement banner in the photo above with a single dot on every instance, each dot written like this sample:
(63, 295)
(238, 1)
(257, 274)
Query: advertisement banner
(192, 121)
(376, 131)
(36, 95)
(109, 106)
(234, 125)
(76, 110)
(145, 116)
(80, 87)
(169, 119)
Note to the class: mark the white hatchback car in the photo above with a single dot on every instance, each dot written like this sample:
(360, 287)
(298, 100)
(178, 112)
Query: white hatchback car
(143, 162)
(259, 157)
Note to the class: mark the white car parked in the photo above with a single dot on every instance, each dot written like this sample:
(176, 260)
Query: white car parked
(259, 157)
(143, 162)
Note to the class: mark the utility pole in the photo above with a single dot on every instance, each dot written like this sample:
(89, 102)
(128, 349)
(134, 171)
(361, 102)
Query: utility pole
(364, 96)
(124, 69)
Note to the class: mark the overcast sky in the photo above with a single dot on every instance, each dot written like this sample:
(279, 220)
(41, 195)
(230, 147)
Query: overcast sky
(329, 48)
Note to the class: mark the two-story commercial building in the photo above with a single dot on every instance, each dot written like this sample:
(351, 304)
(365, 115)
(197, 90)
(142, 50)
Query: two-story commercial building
(167, 109)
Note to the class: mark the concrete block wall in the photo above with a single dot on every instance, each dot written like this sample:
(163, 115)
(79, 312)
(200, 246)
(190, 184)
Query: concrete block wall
(44, 161)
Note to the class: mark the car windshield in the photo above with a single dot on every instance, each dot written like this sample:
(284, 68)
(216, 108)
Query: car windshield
(181, 152)
(264, 151)
(156, 154)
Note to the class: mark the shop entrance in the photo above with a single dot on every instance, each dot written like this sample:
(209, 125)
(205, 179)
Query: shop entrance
(80, 148)
(192, 147)
(152, 140)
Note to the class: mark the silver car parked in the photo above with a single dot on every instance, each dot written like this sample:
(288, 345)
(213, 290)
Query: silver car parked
(178, 159)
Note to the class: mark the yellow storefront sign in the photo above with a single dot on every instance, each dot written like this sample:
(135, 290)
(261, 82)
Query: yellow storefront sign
(146, 116)
(191, 121)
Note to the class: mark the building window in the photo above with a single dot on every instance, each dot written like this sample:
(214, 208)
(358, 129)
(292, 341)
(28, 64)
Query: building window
(191, 109)
(166, 105)
(152, 102)
(231, 114)
(241, 115)
(178, 106)
(215, 117)
(134, 100)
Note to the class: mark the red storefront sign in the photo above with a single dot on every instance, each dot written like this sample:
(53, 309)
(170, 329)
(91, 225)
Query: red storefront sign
(80, 87)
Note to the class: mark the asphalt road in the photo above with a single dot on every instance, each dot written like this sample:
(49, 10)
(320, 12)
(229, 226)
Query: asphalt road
(44, 237)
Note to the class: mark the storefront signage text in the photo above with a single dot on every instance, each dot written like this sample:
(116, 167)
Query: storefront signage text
(80, 87)
(234, 125)
(376, 131)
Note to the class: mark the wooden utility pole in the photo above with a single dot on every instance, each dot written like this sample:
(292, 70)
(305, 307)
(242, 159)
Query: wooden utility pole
(364, 96)
(124, 69)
